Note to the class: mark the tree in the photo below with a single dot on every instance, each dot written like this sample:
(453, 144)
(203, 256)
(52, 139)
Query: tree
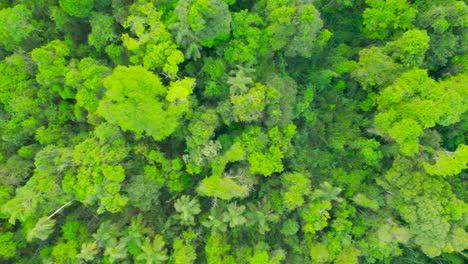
(51, 60)
(102, 30)
(143, 192)
(375, 68)
(249, 106)
(327, 192)
(214, 221)
(316, 216)
(418, 198)
(263, 257)
(183, 252)
(295, 187)
(413, 103)
(410, 48)
(217, 250)
(386, 17)
(290, 227)
(116, 250)
(223, 188)
(136, 100)
(88, 251)
(153, 252)
(349, 255)
(15, 26)
(266, 151)
(44, 227)
(293, 25)
(248, 41)
(201, 23)
(96, 175)
(77, 8)
(187, 209)
(449, 163)
(86, 78)
(442, 20)
(7, 245)
(153, 47)
(260, 216)
(234, 216)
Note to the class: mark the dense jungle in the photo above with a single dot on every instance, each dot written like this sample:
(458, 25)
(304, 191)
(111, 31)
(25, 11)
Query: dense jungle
(233, 131)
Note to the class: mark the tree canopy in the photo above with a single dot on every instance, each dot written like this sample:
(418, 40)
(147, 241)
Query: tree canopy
(233, 131)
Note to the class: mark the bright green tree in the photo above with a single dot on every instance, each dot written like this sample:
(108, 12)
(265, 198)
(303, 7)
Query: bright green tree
(15, 26)
(150, 44)
(385, 17)
(136, 100)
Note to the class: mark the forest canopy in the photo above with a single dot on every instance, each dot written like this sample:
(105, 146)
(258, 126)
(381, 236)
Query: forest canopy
(233, 131)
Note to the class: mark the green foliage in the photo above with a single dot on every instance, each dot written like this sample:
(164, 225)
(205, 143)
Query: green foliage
(152, 47)
(260, 217)
(247, 39)
(183, 252)
(44, 227)
(153, 252)
(290, 227)
(292, 25)
(201, 23)
(316, 216)
(77, 8)
(51, 65)
(385, 17)
(149, 106)
(375, 68)
(296, 186)
(449, 164)
(87, 78)
(216, 250)
(102, 31)
(410, 48)
(15, 26)
(234, 216)
(223, 188)
(143, 192)
(233, 131)
(411, 104)
(187, 209)
(7, 245)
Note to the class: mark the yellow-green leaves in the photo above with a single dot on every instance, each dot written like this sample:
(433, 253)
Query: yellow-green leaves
(7, 245)
(449, 163)
(134, 100)
(295, 187)
(415, 102)
(410, 48)
(102, 30)
(150, 45)
(316, 216)
(14, 26)
(180, 90)
(384, 17)
(223, 188)
(86, 77)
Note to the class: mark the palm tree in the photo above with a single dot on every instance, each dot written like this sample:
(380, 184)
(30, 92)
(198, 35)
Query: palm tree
(187, 208)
